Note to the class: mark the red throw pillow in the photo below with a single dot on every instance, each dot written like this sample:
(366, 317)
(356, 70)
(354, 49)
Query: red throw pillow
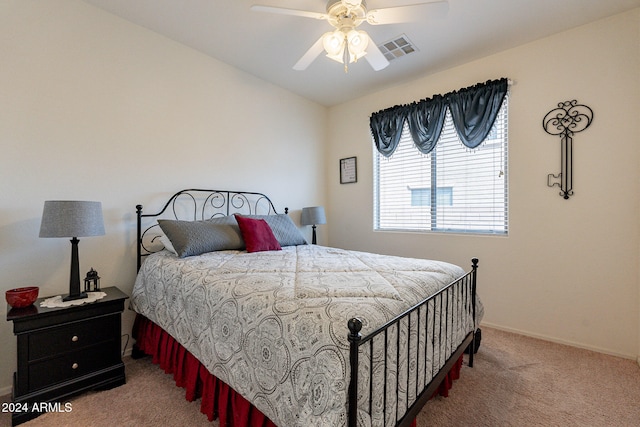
(257, 235)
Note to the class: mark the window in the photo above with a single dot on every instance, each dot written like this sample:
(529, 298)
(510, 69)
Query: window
(469, 187)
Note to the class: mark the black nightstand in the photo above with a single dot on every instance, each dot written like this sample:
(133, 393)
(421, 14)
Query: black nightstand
(65, 351)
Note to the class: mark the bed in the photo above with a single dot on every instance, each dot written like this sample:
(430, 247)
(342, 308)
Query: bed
(293, 334)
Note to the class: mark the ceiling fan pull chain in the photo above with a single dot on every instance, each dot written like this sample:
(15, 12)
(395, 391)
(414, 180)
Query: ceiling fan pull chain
(345, 55)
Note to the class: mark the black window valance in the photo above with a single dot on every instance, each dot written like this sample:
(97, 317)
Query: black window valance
(473, 109)
(387, 128)
(425, 120)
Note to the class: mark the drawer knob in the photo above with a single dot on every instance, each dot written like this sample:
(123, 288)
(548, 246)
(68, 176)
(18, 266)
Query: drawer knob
(74, 366)
(75, 338)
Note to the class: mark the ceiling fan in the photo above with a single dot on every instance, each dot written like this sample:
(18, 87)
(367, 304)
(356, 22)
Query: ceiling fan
(347, 44)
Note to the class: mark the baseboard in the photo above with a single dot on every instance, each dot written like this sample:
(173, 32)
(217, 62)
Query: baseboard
(561, 341)
(6, 390)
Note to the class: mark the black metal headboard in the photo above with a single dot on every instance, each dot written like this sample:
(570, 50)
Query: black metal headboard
(194, 205)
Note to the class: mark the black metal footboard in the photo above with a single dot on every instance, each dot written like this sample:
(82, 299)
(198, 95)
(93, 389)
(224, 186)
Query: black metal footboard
(398, 367)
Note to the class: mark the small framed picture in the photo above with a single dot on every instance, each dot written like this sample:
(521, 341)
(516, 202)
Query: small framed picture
(348, 170)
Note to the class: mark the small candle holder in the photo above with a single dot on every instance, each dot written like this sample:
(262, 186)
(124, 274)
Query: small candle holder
(92, 277)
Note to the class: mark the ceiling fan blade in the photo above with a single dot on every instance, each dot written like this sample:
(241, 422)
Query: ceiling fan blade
(375, 58)
(313, 52)
(407, 13)
(285, 11)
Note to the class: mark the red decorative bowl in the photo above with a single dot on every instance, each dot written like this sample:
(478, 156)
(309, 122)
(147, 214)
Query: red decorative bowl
(22, 297)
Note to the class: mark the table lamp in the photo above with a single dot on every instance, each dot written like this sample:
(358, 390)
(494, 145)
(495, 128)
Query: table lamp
(65, 218)
(312, 216)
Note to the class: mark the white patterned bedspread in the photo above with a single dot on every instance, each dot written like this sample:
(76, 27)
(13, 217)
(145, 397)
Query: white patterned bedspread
(272, 325)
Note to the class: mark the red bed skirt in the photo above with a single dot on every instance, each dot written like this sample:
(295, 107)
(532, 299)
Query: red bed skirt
(218, 399)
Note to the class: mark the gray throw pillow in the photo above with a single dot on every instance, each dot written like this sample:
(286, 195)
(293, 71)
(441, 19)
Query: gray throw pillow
(283, 228)
(227, 219)
(197, 237)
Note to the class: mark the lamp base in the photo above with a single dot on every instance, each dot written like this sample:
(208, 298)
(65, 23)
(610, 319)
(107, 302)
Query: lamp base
(75, 297)
(74, 278)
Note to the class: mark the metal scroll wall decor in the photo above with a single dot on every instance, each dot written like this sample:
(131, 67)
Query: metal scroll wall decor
(566, 120)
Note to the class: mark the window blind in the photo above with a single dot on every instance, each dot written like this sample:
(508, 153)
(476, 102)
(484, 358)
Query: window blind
(468, 187)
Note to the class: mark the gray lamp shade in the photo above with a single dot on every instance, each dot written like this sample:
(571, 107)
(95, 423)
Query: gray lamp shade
(65, 218)
(313, 215)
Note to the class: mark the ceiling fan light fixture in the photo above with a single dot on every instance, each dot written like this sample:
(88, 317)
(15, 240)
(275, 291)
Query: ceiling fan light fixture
(358, 42)
(345, 47)
(333, 43)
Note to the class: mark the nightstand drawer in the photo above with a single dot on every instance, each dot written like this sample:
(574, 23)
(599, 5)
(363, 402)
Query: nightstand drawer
(73, 336)
(69, 366)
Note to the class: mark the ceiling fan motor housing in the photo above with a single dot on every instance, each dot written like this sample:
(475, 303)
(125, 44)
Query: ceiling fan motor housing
(345, 17)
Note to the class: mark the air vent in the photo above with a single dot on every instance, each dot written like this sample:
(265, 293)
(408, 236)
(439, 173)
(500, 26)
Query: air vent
(397, 47)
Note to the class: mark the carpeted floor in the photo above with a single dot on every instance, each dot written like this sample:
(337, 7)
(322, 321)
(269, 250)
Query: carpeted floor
(516, 381)
(522, 381)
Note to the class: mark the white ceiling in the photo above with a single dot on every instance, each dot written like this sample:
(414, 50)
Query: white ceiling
(268, 45)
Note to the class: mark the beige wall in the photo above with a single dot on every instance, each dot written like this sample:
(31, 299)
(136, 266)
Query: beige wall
(568, 271)
(94, 108)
